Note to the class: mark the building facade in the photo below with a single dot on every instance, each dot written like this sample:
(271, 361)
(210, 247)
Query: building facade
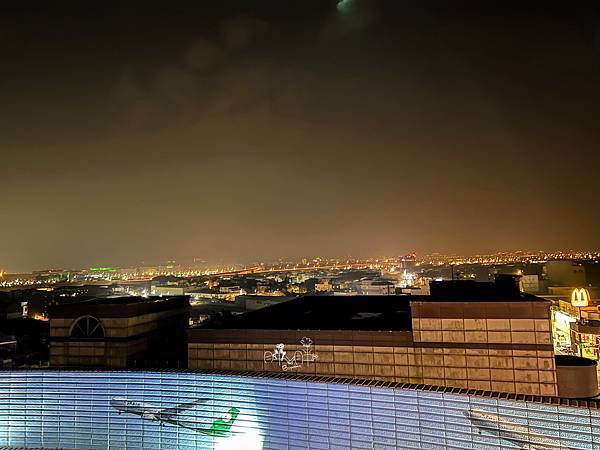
(120, 332)
(503, 346)
(376, 287)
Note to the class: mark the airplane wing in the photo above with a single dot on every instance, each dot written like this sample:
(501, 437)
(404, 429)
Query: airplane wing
(221, 427)
(166, 413)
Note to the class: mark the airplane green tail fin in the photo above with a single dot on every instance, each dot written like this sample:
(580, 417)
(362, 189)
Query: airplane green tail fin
(221, 426)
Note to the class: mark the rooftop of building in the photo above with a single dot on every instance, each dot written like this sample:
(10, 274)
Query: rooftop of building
(264, 297)
(118, 306)
(368, 312)
(504, 288)
(378, 282)
(586, 403)
(372, 312)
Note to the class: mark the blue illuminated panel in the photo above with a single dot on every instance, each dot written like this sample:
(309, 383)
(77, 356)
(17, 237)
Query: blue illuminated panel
(164, 410)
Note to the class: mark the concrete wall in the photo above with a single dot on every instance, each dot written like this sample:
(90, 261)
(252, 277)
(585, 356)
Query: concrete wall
(503, 355)
(95, 353)
(577, 377)
(501, 370)
(382, 363)
(503, 367)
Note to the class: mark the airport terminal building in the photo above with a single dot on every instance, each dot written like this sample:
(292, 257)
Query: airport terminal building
(203, 410)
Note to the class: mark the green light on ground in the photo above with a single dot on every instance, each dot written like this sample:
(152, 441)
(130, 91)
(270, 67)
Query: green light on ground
(103, 269)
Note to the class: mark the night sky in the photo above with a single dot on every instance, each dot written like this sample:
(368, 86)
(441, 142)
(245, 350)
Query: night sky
(233, 131)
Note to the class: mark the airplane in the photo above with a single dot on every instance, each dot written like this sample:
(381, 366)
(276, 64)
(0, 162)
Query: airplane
(517, 434)
(219, 428)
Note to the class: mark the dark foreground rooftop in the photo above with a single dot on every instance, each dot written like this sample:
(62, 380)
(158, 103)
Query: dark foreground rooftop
(372, 312)
(369, 312)
(126, 306)
(504, 288)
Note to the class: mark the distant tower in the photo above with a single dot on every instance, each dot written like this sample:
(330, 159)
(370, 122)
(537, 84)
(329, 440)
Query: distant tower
(409, 262)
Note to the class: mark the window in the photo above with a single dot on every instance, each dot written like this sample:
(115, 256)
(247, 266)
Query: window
(87, 327)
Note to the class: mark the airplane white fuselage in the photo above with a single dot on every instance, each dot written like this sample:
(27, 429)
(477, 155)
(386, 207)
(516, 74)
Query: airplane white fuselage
(517, 434)
(141, 409)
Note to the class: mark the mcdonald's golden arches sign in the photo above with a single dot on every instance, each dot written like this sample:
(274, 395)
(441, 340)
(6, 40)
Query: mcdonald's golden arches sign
(580, 297)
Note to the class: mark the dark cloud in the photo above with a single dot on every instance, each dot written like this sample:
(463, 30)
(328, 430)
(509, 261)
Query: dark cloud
(239, 32)
(258, 129)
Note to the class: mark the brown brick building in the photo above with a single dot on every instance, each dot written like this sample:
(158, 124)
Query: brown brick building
(121, 332)
(469, 335)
